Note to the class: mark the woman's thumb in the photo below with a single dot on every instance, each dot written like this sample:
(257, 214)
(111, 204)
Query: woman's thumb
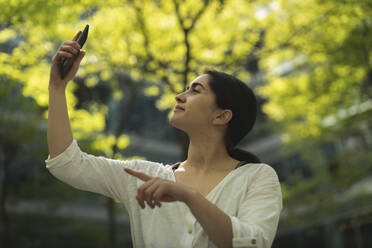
(78, 59)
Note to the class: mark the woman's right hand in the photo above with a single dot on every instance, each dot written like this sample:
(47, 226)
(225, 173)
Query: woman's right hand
(69, 49)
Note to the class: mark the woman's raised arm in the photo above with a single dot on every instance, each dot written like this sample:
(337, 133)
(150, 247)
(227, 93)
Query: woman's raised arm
(59, 131)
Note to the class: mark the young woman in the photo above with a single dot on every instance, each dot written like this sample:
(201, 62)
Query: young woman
(220, 196)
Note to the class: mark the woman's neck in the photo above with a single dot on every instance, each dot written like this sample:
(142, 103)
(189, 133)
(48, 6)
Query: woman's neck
(208, 154)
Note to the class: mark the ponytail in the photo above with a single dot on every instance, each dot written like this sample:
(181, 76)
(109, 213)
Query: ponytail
(243, 155)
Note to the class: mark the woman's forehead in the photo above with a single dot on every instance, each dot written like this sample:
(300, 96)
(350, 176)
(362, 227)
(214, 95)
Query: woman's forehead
(201, 80)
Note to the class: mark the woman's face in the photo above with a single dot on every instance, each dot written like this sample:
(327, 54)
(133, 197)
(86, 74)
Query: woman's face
(196, 108)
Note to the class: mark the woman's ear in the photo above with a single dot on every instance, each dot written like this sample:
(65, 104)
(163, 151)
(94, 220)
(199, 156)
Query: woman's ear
(223, 117)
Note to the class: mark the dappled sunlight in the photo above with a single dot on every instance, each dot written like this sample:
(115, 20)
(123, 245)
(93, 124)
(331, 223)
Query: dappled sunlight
(36, 84)
(104, 143)
(308, 62)
(84, 123)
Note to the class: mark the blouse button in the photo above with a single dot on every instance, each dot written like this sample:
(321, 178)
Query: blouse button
(253, 241)
(190, 231)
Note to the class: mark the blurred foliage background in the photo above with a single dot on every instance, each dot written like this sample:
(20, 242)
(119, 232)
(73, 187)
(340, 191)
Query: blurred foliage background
(309, 62)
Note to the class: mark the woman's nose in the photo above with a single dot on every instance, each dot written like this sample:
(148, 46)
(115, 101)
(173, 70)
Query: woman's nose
(180, 98)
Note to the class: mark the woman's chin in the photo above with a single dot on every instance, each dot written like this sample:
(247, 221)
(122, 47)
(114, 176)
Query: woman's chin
(175, 122)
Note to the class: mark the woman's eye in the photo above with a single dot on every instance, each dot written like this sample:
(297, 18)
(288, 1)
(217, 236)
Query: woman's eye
(194, 90)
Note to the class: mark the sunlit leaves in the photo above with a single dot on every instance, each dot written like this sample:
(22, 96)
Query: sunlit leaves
(152, 91)
(316, 63)
(104, 143)
(314, 60)
(20, 118)
(167, 100)
(123, 141)
(7, 34)
(85, 123)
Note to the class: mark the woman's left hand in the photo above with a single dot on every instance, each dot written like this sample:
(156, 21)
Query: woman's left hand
(156, 190)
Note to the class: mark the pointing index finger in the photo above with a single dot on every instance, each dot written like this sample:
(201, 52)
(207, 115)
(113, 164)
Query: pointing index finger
(138, 174)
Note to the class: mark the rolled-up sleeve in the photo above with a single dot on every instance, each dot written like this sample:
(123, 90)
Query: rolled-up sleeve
(97, 174)
(256, 222)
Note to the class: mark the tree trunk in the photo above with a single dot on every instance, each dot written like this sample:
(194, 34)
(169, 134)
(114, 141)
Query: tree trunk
(110, 203)
(110, 206)
(7, 154)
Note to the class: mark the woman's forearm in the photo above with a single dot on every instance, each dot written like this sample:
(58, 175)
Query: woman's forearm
(59, 130)
(215, 222)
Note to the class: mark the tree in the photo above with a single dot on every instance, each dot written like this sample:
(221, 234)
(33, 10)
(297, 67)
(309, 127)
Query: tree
(318, 61)
(318, 90)
(20, 126)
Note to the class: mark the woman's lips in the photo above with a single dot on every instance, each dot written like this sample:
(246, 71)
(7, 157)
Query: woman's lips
(179, 108)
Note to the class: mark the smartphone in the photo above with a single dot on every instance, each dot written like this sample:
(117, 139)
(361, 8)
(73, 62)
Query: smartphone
(67, 62)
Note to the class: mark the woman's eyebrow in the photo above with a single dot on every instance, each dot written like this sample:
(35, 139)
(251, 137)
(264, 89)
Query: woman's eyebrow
(194, 84)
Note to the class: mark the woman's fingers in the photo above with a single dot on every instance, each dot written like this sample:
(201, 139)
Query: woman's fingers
(162, 193)
(70, 49)
(156, 190)
(142, 197)
(146, 191)
(65, 54)
(149, 194)
(140, 192)
(140, 175)
(72, 43)
(140, 201)
(76, 64)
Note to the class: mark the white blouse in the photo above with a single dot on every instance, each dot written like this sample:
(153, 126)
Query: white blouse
(250, 195)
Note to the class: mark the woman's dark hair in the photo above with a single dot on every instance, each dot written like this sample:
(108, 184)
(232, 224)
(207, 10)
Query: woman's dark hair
(233, 94)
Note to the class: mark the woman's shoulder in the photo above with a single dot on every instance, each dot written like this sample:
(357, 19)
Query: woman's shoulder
(259, 170)
(256, 166)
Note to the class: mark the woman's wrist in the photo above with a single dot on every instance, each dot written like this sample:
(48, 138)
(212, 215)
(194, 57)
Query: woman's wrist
(190, 196)
(55, 87)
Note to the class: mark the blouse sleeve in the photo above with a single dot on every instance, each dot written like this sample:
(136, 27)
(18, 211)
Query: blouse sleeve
(98, 174)
(258, 215)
